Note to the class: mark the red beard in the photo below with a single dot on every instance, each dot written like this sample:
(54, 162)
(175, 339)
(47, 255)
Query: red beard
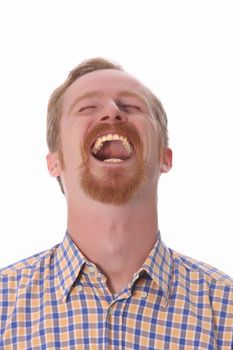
(113, 185)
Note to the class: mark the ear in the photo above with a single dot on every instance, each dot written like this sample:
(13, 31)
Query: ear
(53, 164)
(166, 160)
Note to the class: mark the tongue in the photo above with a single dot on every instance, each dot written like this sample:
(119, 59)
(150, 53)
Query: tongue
(112, 149)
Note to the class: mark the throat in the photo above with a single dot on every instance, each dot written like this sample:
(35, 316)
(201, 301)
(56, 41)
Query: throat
(121, 259)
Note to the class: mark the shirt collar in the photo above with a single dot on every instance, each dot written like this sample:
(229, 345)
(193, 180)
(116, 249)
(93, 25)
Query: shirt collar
(158, 265)
(69, 262)
(68, 265)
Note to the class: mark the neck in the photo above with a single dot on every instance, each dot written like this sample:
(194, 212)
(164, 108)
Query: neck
(116, 238)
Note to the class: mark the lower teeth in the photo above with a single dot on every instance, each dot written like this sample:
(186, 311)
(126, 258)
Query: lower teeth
(112, 160)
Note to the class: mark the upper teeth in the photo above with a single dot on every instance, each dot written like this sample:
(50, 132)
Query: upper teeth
(110, 137)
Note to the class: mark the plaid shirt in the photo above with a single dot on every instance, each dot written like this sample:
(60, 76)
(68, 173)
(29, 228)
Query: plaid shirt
(59, 300)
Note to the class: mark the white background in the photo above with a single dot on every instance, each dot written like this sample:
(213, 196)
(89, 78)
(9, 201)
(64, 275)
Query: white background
(183, 51)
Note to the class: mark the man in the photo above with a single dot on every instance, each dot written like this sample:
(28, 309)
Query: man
(111, 283)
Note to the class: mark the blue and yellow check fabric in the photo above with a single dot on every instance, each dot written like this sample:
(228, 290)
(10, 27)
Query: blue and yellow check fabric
(59, 300)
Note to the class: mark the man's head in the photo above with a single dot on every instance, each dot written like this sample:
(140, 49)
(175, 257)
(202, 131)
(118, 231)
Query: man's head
(97, 100)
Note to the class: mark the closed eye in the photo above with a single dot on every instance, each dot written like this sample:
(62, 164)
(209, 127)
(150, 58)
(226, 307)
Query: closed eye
(86, 107)
(130, 108)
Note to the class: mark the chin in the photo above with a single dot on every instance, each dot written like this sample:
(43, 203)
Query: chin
(112, 184)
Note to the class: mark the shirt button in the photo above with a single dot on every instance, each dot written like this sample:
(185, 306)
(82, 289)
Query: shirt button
(91, 269)
(79, 288)
(110, 310)
(144, 294)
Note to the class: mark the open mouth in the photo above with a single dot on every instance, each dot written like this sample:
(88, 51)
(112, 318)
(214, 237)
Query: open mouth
(112, 148)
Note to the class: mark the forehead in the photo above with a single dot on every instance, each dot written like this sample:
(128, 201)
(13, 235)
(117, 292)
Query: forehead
(106, 81)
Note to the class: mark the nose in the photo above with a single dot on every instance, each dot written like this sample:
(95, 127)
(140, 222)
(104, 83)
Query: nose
(112, 113)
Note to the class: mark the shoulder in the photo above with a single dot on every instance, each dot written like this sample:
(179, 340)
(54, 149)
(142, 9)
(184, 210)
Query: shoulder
(194, 267)
(198, 279)
(26, 268)
(208, 294)
(23, 281)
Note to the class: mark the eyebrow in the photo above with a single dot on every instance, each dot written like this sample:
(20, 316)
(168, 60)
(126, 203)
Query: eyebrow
(98, 93)
(132, 93)
(88, 94)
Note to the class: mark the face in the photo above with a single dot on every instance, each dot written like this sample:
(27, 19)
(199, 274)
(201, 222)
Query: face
(109, 138)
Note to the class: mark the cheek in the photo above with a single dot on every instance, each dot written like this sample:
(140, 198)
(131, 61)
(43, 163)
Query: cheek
(150, 141)
(70, 145)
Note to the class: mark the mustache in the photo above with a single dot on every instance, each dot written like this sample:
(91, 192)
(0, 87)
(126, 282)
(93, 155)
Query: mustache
(125, 129)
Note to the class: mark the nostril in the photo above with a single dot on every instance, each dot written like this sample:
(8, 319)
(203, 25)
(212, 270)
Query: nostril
(117, 117)
(105, 118)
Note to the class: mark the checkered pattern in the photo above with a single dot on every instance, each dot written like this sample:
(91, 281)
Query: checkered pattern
(59, 300)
